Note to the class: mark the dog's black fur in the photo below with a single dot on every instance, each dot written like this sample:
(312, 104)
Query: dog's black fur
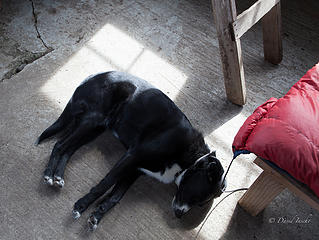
(159, 139)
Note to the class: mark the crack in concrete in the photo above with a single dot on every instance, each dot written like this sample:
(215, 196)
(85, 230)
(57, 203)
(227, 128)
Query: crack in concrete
(28, 57)
(35, 18)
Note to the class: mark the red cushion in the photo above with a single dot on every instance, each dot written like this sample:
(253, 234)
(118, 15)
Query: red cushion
(285, 131)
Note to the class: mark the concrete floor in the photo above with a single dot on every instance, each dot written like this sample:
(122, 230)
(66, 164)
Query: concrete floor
(173, 44)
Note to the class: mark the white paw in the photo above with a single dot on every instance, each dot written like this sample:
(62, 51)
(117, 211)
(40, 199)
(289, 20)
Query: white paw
(59, 182)
(76, 214)
(92, 221)
(48, 180)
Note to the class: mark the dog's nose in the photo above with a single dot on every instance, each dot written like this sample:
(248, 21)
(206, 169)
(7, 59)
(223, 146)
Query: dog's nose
(179, 213)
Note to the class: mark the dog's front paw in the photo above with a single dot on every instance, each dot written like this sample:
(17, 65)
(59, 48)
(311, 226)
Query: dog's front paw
(76, 214)
(92, 222)
(48, 180)
(58, 181)
(79, 207)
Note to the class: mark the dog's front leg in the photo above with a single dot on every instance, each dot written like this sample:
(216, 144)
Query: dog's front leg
(122, 168)
(112, 199)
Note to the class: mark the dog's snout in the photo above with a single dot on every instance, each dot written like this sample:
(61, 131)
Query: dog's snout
(180, 210)
(179, 213)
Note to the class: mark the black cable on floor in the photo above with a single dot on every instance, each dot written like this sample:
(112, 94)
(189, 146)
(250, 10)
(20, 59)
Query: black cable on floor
(231, 192)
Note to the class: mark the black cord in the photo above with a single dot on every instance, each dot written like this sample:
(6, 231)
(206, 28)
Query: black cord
(227, 171)
(231, 192)
(236, 190)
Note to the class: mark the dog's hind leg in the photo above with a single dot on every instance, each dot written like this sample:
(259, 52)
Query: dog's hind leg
(111, 199)
(121, 168)
(54, 159)
(55, 155)
(69, 147)
(78, 135)
(64, 119)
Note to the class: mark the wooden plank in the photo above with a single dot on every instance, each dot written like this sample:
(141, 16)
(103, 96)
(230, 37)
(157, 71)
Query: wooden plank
(251, 16)
(224, 12)
(272, 35)
(260, 193)
(292, 184)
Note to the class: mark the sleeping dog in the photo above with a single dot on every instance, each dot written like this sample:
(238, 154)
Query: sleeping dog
(159, 139)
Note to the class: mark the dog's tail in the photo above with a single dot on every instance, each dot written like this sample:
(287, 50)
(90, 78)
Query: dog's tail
(58, 125)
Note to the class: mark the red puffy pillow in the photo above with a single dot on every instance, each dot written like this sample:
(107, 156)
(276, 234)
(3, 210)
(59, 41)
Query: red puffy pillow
(285, 131)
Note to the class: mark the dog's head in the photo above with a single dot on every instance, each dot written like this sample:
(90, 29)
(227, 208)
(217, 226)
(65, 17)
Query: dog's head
(199, 184)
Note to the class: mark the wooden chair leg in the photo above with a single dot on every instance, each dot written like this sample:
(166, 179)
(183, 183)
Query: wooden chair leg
(261, 193)
(272, 35)
(224, 12)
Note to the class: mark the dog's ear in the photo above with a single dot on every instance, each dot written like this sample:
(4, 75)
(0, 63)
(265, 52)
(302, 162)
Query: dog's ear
(122, 91)
(213, 153)
(212, 156)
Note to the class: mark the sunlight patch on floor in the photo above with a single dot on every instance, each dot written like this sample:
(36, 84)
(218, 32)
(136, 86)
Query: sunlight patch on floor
(112, 49)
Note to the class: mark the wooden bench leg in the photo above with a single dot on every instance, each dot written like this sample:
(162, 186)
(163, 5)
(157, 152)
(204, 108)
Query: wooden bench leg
(290, 183)
(224, 12)
(261, 193)
(272, 35)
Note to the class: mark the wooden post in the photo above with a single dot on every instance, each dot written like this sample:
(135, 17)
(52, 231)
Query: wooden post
(261, 193)
(272, 35)
(225, 13)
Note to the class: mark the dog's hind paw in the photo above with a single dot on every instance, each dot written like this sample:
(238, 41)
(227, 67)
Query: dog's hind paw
(58, 181)
(76, 214)
(48, 180)
(92, 221)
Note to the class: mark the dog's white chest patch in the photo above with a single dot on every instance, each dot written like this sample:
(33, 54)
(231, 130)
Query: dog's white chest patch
(167, 177)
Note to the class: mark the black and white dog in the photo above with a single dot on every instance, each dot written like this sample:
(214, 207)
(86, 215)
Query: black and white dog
(159, 139)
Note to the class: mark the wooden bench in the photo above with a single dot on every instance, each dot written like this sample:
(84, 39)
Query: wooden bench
(231, 27)
(269, 184)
